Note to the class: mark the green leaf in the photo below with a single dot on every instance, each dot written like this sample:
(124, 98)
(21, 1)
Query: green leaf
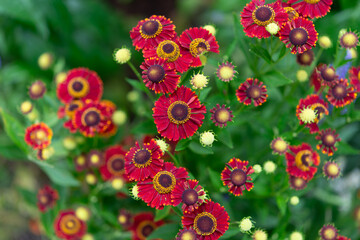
(261, 52)
(225, 137)
(145, 127)
(57, 175)
(136, 84)
(165, 232)
(346, 149)
(281, 202)
(15, 130)
(161, 214)
(182, 144)
(215, 178)
(197, 148)
(327, 197)
(204, 93)
(275, 79)
(232, 231)
(28, 196)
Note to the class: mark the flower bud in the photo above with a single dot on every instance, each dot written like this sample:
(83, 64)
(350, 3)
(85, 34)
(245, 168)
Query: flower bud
(119, 117)
(199, 81)
(26, 107)
(45, 60)
(83, 213)
(210, 28)
(325, 42)
(207, 138)
(269, 167)
(122, 55)
(302, 76)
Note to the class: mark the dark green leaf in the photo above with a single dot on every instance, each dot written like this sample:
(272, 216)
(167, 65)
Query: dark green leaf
(261, 52)
(346, 149)
(232, 231)
(182, 144)
(165, 232)
(145, 127)
(161, 214)
(197, 148)
(225, 137)
(281, 202)
(204, 93)
(28, 196)
(215, 178)
(275, 79)
(57, 175)
(137, 84)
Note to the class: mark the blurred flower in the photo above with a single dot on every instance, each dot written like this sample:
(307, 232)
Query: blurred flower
(296, 236)
(69, 111)
(327, 75)
(328, 232)
(198, 41)
(90, 178)
(210, 220)
(305, 58)
(256, 15)
(342, 238)
(80, 83)
(311, 8)
(176, 57)
(221, 115)
(257, 168)
(331, 170)
(117, 183)
(299, 35)
(179, 115)
(327, 138)
(301, 161)
(150, 31)
(69, 143)
(207, 138)
(143, 161)
(156, 191)
(38, 136)
(83, 213)
(294, 200)
(297, 183)
(211, 28)
(187, 234)
(245, 225)
(226, 71)
(46, 198)
(354, 76)
(143, 225)
(349, 40)
(340, 94)
(95, 158)
(119, 117)
(302, 76)
(269, 167)
(307, 115)
(26, 107)
(33, 115)
(273, 28)
(45, 60)
(279, 146)
(46, 153)
(37, 90)
(88, 236)
(325, 42)
(159, 76)
(259, 235)
(252, 90)
(189, 193)
(122, 55)
(68, 226)
(125, 218)
(80, 163)
(199, 81)
(133, 96)
(114, 164)
(162, 145)
(237, 176)
(60, 77)
(318, 105)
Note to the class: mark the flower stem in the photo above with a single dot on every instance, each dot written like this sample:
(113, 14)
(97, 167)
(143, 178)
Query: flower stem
(174, 159)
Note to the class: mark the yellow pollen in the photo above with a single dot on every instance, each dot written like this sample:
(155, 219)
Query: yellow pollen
(36, 89)
(333, 169)
(226, 72)
(298, 182)
(94, 158)
(280, 145)
(223, 116)
(43, 199)
(329, 233)
(80, 160)
(303, 163)
(26, 107)
(349, 39)
(339, 90)
(122, 219)
(307, 115)
(329, 139)
(187, 236)
(40, 135)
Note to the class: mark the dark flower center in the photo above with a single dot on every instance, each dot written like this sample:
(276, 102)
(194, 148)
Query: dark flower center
(201, 47)
(328, 74)
(238, 177)
(142, 157)
(73, 107)
(77, 86)
(168, 48)
(305, 159)
(320, 110)
(147, 230)
(150, 27)
(222, 115)
(118, 164)
(253, 92)
(298, 36)
(164, 182)
(263, 14)
(179, 112)
(92, 118)
(339, 91)
(156, 73)
(190, 196)
(328, 139)
(205, 223)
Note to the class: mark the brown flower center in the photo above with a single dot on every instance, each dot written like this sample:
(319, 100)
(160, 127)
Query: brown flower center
(168, 49)
(199, 46)
(339, 91)
(116, 164)
(222, 115)
(328, 74)
(164, 182)
(328, 139)
(190, 197)
(205, 223)
(150, 28)
(142, 158)
(298, 36)
(253, 92)
(179, 112)
(264, 15)
(70, 224)
(303, 160)
(156, 73)
(78, 87)
(145, 228)
(91, 118)
(238, 177)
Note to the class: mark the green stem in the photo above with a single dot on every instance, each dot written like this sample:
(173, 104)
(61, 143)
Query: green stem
(174, 159)
(138, 75)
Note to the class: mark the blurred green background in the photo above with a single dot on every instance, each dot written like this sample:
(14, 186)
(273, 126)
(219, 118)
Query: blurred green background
(85, 33)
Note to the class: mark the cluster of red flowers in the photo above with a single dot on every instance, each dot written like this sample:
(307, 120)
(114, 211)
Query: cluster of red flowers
(81, 94)
(38, 136)
(286, 20)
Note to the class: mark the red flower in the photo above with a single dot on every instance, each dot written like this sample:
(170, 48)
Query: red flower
(305, 58)
(300, 161)
(299, 35)
(198, 41)
(354, 76)
(80, 83)
(69, 110)
(311, 8)
(114, 165)
(342, 238)
(80, 163)
(176, 56)
(314, 102)
(210, 221)
(340, 94)
(252, 89)
(221, 115)
(68, 226)
(328, 75)
(142, 162)
(38, 136)
(159, 76)
(297, 183)
(47, 197)
(156, 191)
(143, 225)
(315, 78)
(256, 15)
(151, 31)
(92, 118)
(189, 193)
(179, 115)
(328, 139)
(237, 176)
(125, 218)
